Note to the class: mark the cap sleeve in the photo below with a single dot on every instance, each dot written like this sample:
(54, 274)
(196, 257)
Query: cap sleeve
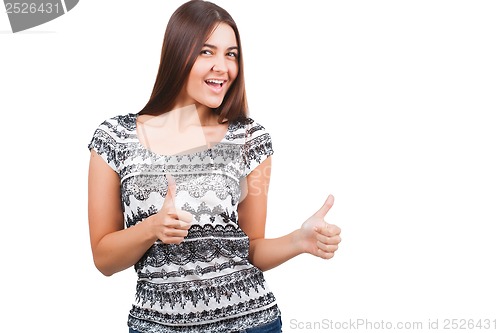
(104, 144)
(257, 147)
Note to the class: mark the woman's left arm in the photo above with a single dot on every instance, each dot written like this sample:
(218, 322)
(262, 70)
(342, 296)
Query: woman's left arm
(315, 236)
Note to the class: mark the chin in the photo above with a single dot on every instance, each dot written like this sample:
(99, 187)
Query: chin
(212, 104)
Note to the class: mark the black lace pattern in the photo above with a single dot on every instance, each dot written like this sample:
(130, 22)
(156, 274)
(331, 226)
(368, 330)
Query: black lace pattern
(206, 283)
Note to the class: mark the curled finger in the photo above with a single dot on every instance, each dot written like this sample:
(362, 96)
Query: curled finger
(330, 240)
(325, 255)
(184, 216)
(328, 248)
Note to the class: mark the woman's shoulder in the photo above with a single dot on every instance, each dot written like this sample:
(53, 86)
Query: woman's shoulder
(120, 122)
(116, 129)
(248, 126)
(256, 141)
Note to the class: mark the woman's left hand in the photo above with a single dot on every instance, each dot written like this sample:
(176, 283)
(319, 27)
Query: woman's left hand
(317, 236)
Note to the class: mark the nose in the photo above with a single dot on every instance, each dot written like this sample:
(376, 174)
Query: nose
(220, 64)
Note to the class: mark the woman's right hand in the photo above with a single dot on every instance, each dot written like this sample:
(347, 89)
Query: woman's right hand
(170, 225)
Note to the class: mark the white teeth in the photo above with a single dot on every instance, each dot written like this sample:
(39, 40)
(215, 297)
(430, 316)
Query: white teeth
(215, 81)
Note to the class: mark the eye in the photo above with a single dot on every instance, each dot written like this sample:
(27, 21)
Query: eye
(206, 52)
(232, 54)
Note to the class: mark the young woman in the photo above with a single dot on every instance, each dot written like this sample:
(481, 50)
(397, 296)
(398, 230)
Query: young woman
(180, 191)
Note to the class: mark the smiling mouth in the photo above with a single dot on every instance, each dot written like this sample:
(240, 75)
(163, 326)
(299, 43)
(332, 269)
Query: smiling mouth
(215, 83)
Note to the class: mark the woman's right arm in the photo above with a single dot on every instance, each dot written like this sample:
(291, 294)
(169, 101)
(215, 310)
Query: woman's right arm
(113, 247)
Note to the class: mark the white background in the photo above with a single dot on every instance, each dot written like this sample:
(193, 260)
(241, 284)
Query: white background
(391, 106)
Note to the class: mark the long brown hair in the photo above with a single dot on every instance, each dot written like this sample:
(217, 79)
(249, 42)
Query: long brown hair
(187, 31)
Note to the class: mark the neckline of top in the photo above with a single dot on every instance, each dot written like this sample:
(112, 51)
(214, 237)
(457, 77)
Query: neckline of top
(224, 140)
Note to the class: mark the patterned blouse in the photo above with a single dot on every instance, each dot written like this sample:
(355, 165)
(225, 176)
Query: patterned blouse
(206, 283)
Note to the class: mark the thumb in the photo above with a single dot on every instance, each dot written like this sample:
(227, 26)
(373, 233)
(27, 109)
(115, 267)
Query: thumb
(169, 203)
(321, 213)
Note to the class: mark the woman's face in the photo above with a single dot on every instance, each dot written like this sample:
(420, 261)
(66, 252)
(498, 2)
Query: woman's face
(215, 69)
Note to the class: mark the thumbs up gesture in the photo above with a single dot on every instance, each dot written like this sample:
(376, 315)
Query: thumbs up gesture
(320, 238)
(170, 224)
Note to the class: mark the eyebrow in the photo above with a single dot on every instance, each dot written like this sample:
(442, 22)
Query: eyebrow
(215, 47)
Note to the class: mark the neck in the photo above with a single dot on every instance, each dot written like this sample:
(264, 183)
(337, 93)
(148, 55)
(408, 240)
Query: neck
(206, 115)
